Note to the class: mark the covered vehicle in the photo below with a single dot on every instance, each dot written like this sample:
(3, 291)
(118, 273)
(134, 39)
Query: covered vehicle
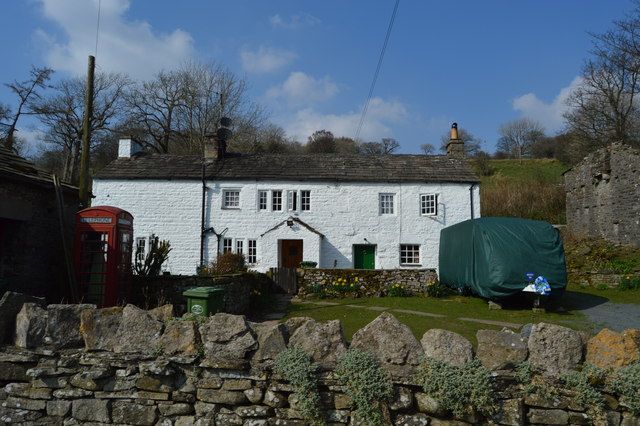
(492, 255)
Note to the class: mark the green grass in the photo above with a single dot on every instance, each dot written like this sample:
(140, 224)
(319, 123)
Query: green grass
(611, 294)
(452, 308)
(547, 170)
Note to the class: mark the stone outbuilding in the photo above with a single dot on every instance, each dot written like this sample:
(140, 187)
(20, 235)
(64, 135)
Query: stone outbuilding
(603, 195)
(31, 251)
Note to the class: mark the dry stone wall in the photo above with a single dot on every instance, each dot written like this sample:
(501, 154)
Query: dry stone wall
(374, 282)
(161, 370)
(603, 195)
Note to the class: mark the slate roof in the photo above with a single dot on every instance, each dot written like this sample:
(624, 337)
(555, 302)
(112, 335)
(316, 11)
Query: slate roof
(13, 166)
(298, 167)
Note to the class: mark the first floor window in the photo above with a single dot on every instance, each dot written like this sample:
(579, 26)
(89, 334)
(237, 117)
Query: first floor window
(305, 200)
(276, 201)
(141, 249)
(231, 199)
(252, 255)
(239, 246)
(386, 203)
(409, 254)
(292, 200)
(428, 204)
(227, 245)
(262, 200)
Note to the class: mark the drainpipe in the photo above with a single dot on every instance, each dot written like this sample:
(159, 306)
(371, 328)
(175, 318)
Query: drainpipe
(202, 232)
(471, 199)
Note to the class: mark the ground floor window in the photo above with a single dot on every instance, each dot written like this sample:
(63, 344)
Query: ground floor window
(239, 246)
(252, 254)
(141, 249)
(410, 254)
(227, 245)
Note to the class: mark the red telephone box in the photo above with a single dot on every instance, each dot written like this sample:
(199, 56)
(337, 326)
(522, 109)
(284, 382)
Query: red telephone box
(102, 247)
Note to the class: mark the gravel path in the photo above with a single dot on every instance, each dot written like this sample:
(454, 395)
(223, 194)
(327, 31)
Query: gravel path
(615, 316)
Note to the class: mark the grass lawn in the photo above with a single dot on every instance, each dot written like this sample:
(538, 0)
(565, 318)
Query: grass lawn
(452, 307)
(546, 169)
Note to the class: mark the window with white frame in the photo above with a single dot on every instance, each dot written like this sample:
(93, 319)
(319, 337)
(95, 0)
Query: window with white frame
(386, 202)
(305, 200)
(410, 254)
(227, 245)
(231, 198)
(262, 200)
(428, 204)
(252, 251)
(141, 249)
(292, 201)
(276, 201)
(240, 246)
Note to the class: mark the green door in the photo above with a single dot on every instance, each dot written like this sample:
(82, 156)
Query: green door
(364, 256)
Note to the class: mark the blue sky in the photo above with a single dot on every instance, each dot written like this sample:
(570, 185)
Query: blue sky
(479, 63)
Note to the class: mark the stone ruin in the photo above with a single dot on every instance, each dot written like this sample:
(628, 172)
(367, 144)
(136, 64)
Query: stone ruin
(76, 364)
(603, 195)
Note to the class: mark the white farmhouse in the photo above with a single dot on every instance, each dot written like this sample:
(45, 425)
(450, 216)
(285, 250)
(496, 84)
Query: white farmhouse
(341, 211)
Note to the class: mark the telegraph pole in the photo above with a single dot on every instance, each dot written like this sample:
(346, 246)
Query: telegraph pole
(85, 195)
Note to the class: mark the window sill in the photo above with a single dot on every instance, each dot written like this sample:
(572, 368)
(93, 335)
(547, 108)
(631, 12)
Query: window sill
(230, 208)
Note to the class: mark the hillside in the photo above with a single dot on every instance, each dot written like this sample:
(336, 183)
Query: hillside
(530, 189)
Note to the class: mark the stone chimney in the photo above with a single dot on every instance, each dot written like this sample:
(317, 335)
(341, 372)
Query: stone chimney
(455, 146)
(127, 148)
(210, 147)
(215, 146)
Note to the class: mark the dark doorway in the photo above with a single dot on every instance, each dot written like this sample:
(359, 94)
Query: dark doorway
(364, 256)
(290, 253)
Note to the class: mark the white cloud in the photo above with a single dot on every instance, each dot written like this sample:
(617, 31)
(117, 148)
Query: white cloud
(293, 22)
(302, 89)
(125, 45)
(381, 116)
(265, 59)
(549, 114)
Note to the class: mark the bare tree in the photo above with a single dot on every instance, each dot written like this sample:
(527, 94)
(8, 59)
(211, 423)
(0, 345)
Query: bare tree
(427, 148)
(518, 136)
(604, 107)
(62, 114)
(385, 147)
(178, 108)
(472, 144)
(27, 92)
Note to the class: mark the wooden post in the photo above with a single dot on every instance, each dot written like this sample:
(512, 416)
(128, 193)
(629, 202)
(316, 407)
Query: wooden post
(85, 195)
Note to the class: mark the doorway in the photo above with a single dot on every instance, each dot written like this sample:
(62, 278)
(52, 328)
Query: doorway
(364, 256)
(290, 253)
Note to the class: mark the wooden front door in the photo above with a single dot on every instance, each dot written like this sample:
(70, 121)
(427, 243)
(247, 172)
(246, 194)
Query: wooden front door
(364, 256)
(290, 253)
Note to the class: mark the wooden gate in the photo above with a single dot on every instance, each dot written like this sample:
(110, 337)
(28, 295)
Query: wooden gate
(285, 279)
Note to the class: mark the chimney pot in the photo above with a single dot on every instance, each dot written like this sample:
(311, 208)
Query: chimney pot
(455, 146)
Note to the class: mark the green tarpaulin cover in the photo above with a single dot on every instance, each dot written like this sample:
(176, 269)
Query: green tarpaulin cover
(491, 256)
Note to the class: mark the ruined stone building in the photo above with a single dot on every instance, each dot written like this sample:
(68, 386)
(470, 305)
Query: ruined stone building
(603, 195)
(31, 256)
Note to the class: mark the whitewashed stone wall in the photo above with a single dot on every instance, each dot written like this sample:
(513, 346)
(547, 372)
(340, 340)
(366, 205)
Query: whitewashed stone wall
(346, 213)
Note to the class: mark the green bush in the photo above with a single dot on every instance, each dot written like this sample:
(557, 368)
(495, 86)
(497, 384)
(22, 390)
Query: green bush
(458, 389)
(629, 283)
(366, 384)
(437, 289)
(298, 369)
(626, 382)
(307, 264)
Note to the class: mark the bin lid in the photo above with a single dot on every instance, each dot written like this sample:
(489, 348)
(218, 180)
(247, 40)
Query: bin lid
(202, 291)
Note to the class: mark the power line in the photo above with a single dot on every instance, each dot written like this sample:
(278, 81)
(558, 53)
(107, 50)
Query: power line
(95, 53)
(377, 72)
